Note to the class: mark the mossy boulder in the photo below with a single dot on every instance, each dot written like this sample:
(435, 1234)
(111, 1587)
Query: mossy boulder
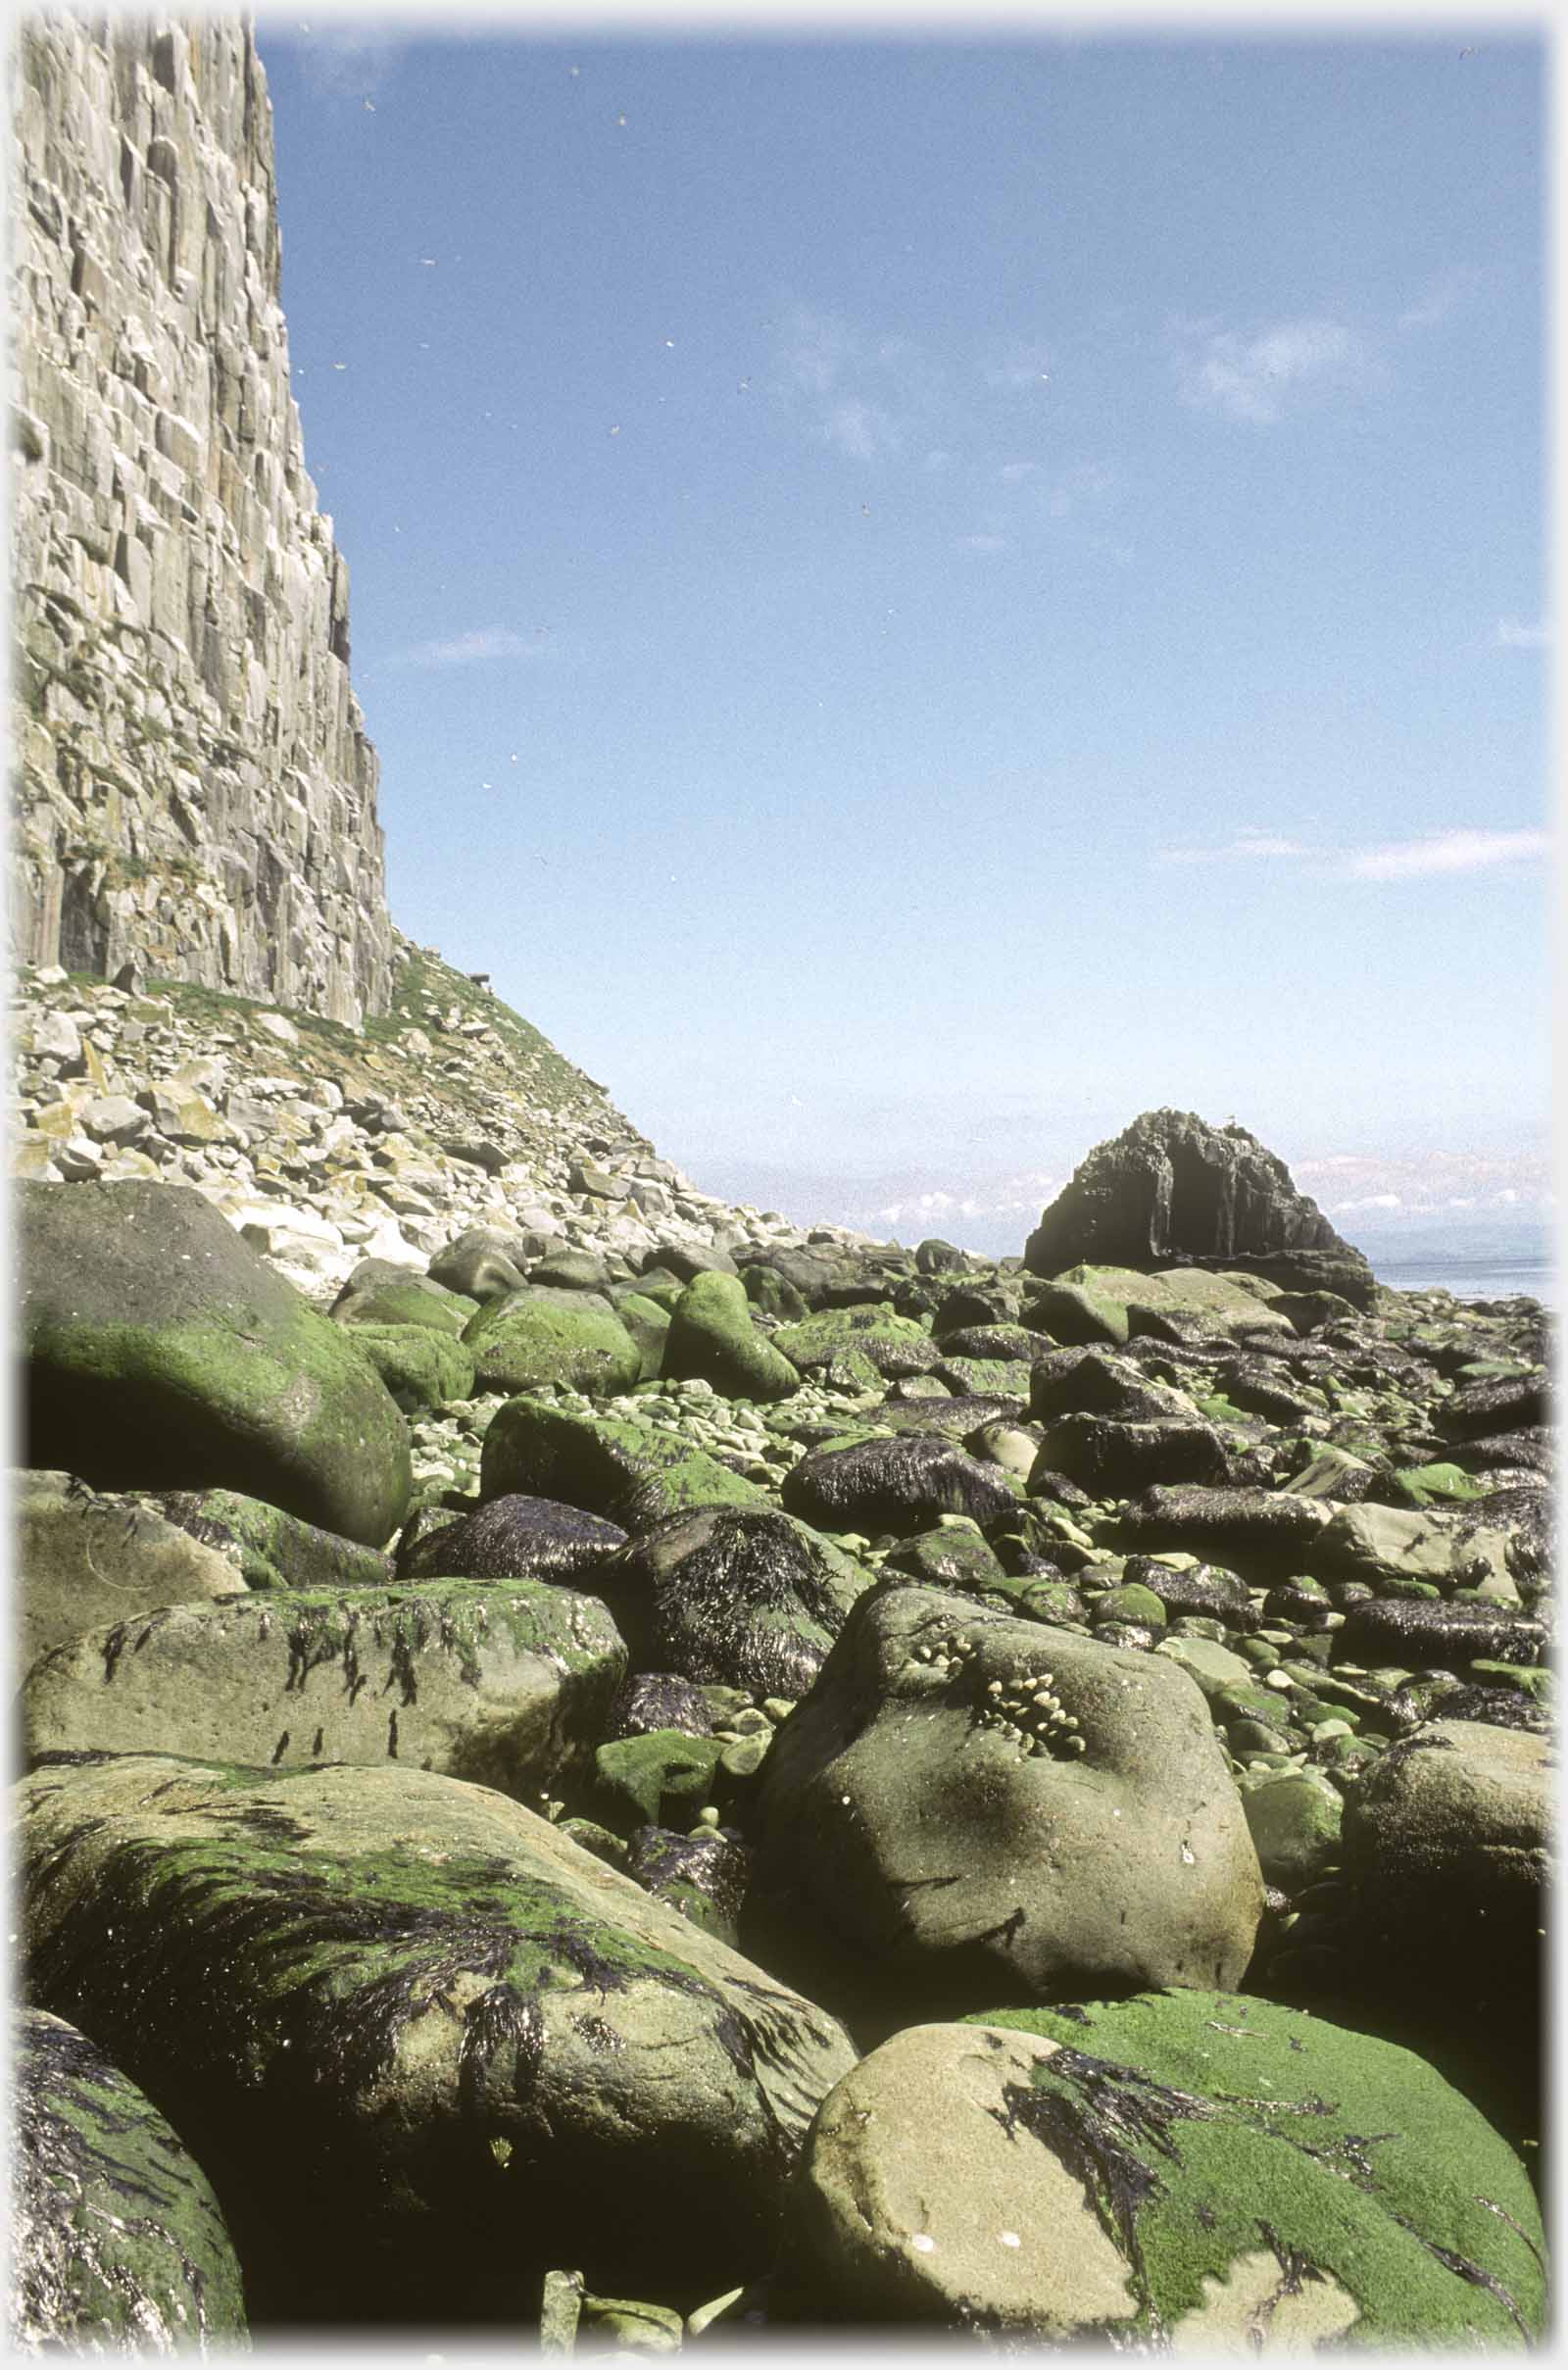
(873, 1331)
(269, 1549)
(82, 1557)
(648, 1323)
(1295, 1820)
(424, 2046)
(380, 1294)
(118, 2244)
(969, 1803)
(628, 1472)
(421, 1367)
(538, 1335)
(1186, 2169)
(160, 1352)
(712, 1337)
(662, 1778)
(508, 1685)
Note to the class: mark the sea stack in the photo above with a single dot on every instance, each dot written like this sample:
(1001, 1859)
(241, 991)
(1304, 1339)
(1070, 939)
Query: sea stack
(1173, 1191)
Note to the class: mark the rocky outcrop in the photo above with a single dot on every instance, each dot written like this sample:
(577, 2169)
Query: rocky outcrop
(1171, 1189)
(195, 790)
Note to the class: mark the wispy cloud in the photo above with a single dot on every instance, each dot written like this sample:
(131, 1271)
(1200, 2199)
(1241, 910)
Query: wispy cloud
(351, 57)
(1246, 845)
(982, 543)
(1441, 298)
(863, 395)
(471, 648)
(1431, 1185)
(1257, 377)
(1446, 852)
(1511, 634)
(1437, 852)
(863, 431)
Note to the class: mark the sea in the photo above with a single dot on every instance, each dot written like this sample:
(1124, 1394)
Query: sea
(1480, 1263)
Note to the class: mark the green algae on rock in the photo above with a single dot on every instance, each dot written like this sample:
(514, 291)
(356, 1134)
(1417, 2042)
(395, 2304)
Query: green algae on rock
(116, 2241)
(712, 1335)
(505, 1684)
(425, 2045)
(544, 1335)
(160, 1352)
(1256, 2164)
(625, 1471)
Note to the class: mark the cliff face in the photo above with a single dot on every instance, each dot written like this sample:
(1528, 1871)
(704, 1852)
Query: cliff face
(195, 788)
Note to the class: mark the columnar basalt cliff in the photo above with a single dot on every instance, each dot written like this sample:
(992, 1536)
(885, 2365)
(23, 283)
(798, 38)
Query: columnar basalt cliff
(195, 788)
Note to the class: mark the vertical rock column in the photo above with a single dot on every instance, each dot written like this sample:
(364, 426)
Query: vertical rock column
(194, 785)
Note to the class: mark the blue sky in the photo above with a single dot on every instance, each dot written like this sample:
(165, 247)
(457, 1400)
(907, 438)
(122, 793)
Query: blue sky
(918, 596)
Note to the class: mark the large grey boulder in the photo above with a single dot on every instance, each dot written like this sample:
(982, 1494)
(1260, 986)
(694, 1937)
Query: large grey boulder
(425, 2045)
(117, 2244)
(507, 1684)
(969, 1805)
(160, 1352)
(1172, 1187)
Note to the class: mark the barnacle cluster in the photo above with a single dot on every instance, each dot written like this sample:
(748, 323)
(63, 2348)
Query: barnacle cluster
(1026, 1714)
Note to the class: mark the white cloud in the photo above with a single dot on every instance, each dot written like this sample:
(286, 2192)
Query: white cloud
(863, 396)
(349, 58)
(863, 431)
(468, 649)
(1512, 635)
(1440, 299)
(1446, 852)
(1370, 1200)
(1013, 473)
(1253, 379)
(982, 543)
(1246, 844)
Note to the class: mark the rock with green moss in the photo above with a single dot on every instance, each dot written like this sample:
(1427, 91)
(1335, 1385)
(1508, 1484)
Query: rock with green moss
(508, 1685)
(1295, 1820)
(1180, 2169)
(420, 1366)
(966, 1800)
(82, 1557)
(160, 1352)
(379, 1294)
(648, 1323)
(628, 1472)
(732, 1597)
(712, 1337)
(872, 1331)
(118, 2244)
(954, 1554)
(662, 1778)
(552, 1335)
(269, 1549)
(424, 2046)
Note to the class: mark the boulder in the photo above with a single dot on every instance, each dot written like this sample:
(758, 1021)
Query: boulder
(264, 1548)
(1186, 2170)
(508, 1685)
(421, 1367)
(971, 1805)
(732, 1597)
(117, 2244)
(896, 1485)
(160, 1352)
(522, 1339)
(628, 1472)
(894, 1345)
(712, 1336)
(424, 2046)
(84, 1557)
(513, 1538)
(1449, 1840)
(1171, 1187)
